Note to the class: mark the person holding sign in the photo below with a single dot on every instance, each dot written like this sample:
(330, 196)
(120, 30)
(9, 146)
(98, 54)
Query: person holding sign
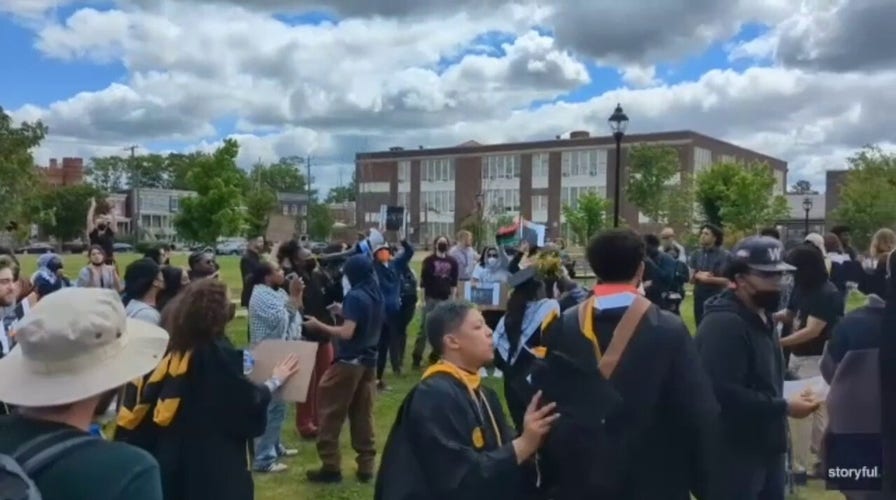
(197, 412)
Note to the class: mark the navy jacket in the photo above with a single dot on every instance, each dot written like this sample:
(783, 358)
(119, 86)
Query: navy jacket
(389, 277)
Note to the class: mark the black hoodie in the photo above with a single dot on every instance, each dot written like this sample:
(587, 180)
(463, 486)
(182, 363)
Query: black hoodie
(743, 358)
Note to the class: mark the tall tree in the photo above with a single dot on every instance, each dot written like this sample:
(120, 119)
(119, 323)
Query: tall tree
(680, 205)
(61, 212)
(802, 186)
(652, 168)
(260, 202)
(215, 210)
(115, 173)
(319, 221)
(18, 177)
(341, 194)
(740, 196)
(284, 176)
(589, 216)
(868, 195)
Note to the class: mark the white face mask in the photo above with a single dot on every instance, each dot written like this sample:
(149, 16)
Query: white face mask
(491, 261)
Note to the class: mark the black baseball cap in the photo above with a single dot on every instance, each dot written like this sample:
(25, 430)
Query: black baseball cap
(761, 253)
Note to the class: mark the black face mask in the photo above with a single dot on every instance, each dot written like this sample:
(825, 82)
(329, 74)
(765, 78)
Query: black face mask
(768, 300)
(442, 247)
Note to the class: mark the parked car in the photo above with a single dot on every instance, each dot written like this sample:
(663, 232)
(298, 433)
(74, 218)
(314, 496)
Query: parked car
(231, 248)
(37, 248)
(123, 248)
(76, 246)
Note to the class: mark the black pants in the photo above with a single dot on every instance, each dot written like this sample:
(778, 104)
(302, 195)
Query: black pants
(406, 315)
(751, 477)
(386, 349)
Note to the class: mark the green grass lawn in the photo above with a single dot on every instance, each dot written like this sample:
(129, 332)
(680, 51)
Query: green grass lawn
(292, 483)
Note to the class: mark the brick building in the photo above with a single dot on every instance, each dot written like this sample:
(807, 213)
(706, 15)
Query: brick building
(443, 186)
(70, 173)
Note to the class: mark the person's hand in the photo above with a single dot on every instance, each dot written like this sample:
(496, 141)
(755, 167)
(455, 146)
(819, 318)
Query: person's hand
(702, 276)
(537, 423)
(312, 324)
(296, 287)
(335, 308)
(286, 368)
(802, 406)
(524, 247)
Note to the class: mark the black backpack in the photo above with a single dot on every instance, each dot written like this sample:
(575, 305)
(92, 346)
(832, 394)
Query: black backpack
(18, 469)
(587, 451)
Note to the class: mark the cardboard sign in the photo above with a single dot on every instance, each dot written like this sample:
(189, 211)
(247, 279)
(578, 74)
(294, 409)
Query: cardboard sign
(270, 352)
(533, 233)
(487, 296)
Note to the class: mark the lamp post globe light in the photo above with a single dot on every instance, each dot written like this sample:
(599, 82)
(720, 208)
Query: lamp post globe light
(807, 206)
(618, 122)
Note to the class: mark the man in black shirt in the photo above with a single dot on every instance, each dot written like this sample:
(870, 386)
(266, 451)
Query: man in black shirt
(101, 231)
(438, 278)
(742, 355)
(707, 266)
(248, 263)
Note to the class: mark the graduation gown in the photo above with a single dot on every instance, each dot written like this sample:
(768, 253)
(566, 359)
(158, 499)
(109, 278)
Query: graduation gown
(451, 440)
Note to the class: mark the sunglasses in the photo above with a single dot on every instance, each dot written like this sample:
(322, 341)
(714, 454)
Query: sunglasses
(492, 255)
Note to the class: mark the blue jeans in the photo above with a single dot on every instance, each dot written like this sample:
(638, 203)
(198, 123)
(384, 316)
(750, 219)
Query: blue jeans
(267, 447)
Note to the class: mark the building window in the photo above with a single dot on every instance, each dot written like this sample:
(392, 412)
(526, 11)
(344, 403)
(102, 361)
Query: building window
(502, 200)
(404, 199)
(285, 209)
(584, 163)
(500, 167)
(540, 165)
(438, 201)
(702, 160)
(540, 203)
(570, 195)
(404, 171)
(438, 170)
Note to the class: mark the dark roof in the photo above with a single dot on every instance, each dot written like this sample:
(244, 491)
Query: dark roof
(473, 147)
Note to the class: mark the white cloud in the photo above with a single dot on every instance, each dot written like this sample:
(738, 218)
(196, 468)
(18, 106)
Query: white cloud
(393, 73)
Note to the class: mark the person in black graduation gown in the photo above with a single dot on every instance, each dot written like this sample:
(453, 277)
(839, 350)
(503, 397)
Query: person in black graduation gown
(451, 438)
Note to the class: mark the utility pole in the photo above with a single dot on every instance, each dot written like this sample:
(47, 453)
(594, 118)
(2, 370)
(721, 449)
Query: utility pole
(308, 194)
(135, 181)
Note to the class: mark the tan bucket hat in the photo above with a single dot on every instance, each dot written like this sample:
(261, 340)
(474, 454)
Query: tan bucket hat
(74, 344)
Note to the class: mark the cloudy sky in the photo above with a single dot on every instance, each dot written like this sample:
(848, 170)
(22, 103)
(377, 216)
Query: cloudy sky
(808, 81)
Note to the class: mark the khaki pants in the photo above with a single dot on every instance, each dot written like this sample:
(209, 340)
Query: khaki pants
(346, 390)
(807, 435)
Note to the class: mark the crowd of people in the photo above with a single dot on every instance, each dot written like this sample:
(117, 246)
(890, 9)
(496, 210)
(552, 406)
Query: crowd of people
(608, 392)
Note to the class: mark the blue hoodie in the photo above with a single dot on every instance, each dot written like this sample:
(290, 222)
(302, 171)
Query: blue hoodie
(389, 277)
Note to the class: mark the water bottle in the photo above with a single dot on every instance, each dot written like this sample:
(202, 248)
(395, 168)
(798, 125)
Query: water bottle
(248, 363)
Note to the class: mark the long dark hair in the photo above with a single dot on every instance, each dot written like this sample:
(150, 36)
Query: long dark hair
(516, 309)
(173, 277)
(291, 252)
(811, 272)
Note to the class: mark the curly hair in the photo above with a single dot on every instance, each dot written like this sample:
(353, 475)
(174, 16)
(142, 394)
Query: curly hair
(198, 315)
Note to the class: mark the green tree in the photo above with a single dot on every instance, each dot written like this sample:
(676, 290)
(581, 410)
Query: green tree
(108, 173)
(868, 195)
(680, 205)
(18, 177)
(740, 196)
(588, 217)
(319, 221)
(652, 167)
(260, 202)
(802, 186)
(341, 194)
(215, 210)
(61, 212)
(115, 173)
(284, 176)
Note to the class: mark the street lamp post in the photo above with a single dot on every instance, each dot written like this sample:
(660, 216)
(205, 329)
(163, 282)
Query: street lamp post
(479, 219)
(807, 206)
(618, 122)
